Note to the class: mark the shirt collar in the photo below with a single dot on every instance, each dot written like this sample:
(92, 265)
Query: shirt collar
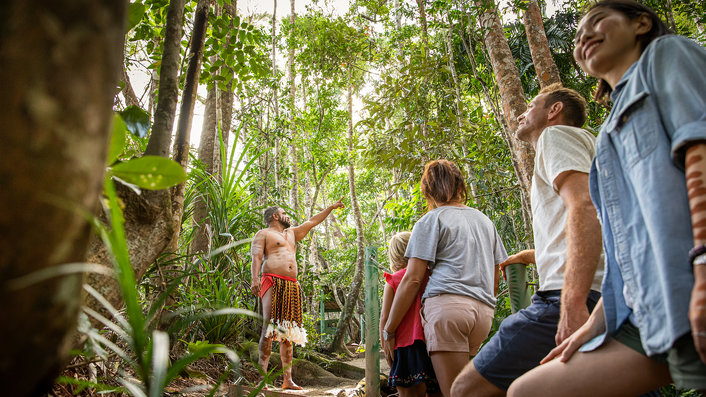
(623, 80)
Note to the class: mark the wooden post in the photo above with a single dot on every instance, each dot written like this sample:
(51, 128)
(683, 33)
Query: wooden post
(322, 318)
(372, 324)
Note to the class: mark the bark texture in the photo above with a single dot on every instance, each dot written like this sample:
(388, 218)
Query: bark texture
(149, 225)
(544, 65)
(207, 149)
(186, 112)
(59, 65)
(512, 98)
(161, 135)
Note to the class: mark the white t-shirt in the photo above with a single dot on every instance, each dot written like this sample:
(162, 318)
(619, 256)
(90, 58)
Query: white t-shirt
(559, 149)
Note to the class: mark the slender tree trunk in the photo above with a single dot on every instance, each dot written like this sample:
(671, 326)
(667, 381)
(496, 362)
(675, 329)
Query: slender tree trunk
(161, 136)
(457, 104)
(670, 15)
(513, 103)
(60, 63)
(264, 163)
(398, 24)
(544, 64)
(191, 83)
(421, 4)
(225, 100)
(275, 93)
(207, 148)
(294, 194)
(337, 344)
(425, 42)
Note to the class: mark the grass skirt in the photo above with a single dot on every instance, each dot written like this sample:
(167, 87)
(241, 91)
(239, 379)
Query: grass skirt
(286, 322)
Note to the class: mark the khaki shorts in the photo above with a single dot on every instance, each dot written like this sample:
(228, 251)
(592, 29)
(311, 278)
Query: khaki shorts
(455, 323)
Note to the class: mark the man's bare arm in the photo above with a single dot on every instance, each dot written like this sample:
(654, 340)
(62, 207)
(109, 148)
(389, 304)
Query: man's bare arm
(301, 231)
(583, 251)
(524, 257)
(257, 251)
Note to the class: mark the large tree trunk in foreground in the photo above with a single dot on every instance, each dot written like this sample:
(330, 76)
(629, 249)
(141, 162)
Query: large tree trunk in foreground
(338, 345)
(544, 64)
(59, 66)
(512, 97)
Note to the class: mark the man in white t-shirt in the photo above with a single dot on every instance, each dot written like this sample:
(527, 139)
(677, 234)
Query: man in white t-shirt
(568, 253)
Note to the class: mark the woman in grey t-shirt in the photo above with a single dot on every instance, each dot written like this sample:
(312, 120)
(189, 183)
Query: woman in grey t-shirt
(461, 248)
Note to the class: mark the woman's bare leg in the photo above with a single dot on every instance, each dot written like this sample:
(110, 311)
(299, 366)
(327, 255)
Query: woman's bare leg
(611, 370)
(447, 366)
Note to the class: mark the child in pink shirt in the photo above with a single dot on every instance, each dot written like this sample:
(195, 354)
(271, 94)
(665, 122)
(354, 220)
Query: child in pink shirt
(411, 370)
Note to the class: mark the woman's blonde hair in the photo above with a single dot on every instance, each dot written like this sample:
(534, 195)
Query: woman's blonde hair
(398, 245)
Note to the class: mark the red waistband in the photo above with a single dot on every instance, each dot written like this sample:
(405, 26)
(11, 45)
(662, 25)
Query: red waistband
(279, 276)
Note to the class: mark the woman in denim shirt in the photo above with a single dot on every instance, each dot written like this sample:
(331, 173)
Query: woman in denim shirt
(648, 183)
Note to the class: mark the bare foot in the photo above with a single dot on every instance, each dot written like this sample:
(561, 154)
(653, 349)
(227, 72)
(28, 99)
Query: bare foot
(290, 385)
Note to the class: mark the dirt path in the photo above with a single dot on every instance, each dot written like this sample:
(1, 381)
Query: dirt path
(343, 390)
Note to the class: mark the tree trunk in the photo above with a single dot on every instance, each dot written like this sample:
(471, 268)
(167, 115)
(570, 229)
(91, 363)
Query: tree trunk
(544, 64)
(338, 345)
(294, 194)
(225, 100)
(207, 148)
(60, 63)
(161, 135)
(470, 176)
(149, 225)
(513, 103)
(425, 43)
(191, 83)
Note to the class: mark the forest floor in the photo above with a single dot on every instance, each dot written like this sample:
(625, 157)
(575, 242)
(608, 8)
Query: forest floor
(201, 376)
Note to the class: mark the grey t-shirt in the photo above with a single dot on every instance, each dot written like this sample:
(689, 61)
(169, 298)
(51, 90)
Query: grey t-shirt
(462, 247)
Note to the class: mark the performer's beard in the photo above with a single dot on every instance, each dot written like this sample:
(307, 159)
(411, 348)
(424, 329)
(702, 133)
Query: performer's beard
(285, 222)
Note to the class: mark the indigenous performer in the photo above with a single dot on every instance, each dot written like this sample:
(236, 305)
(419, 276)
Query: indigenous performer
(274, 252)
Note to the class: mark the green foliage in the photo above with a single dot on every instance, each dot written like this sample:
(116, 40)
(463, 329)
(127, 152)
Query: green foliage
(148, 349)
(149, 172)
(118, 139)
(135, 13)
(413, 111)
(234, 53)
(137, 121)
(223, 281)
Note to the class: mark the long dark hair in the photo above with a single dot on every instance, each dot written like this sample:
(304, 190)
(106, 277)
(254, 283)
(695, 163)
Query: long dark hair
(631, 9)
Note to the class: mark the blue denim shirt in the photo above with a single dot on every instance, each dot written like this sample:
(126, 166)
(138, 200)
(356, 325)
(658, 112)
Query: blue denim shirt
(638, 185)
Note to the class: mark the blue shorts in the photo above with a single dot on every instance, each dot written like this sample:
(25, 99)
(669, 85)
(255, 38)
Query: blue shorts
(523, 339)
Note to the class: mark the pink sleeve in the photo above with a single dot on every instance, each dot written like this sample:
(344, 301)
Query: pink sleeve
(389, 279)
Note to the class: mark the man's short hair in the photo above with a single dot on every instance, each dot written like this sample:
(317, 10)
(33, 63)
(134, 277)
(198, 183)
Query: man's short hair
(269, 214)
(574, 111)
